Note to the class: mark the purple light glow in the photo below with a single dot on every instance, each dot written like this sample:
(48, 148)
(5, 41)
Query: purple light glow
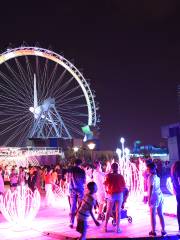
(20, 207)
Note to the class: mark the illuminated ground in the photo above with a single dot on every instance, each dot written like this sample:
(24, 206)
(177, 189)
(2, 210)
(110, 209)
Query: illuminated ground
(52, 223)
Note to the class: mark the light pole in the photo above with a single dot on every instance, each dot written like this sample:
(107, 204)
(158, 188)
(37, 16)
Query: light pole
(122, 140)
(91, 147)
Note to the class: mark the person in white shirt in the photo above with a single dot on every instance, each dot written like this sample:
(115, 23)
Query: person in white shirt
(155, 200)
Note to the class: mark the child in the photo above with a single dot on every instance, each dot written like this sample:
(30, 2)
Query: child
(155, 199)
(85, 210)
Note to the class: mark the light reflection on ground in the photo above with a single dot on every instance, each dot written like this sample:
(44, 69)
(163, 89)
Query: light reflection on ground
(52, 223)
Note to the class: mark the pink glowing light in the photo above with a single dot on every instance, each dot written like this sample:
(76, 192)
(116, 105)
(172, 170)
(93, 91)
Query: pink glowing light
(133, 176)
(20, 206)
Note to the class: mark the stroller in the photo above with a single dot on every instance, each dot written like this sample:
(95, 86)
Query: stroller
(123, 210)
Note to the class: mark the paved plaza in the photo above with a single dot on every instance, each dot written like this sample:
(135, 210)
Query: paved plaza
(52, 223)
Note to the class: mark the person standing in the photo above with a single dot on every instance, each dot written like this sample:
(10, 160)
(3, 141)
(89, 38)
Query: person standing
(32, 179)
(13, 179)
(21, 177)
(115, 185)
(49, 198)
(77, 179)
(175, 176)
(155, 200)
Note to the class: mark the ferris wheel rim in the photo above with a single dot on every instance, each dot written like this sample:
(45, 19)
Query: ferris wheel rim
(71, 68)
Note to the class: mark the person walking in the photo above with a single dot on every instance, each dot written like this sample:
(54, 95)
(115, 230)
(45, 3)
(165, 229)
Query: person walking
(155, 200)
(86, 209)
(77, 179)
(115, 185)
(175, 176)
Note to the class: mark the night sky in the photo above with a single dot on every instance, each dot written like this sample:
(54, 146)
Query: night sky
(130, 51)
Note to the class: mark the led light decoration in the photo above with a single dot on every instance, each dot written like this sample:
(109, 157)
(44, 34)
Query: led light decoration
(20, 206)
(133, 176)
(60, 197)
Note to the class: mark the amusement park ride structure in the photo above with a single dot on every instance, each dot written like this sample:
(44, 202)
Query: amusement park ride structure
(42, 95)
(47, 121)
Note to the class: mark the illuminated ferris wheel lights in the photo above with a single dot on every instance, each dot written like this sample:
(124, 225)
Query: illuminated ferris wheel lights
(36, 112)
(57, 79)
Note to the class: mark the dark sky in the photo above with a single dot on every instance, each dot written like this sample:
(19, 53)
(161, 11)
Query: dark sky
(130, 50)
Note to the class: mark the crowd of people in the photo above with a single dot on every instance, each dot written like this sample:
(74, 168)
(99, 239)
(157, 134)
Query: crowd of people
(90, 187)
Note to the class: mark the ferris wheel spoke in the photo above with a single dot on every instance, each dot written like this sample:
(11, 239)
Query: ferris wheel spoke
(12, 118)
(71, 119)
(11, 99)
(74, 129)
(14, 74)
(63, 87)
(9, 88)
(71, 100)
(24, 134)
(30, 76)
(69, 116)
(58, 83)
(73, 106)
(74, 113)
(51, 78)
(12, 136)
(13, 125)
(13, 106)
(44, 79)
(10, 112)
(38, 69)
(39, 79)
(18, 132)
(67, 93)
(23, 77)
(11, 94)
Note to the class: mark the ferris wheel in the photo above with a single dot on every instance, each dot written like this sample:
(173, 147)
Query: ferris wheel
(42, 95)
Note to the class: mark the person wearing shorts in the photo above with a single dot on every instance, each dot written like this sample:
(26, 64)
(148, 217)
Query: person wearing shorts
(115, 186)
(85, 210)
(155, 200)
